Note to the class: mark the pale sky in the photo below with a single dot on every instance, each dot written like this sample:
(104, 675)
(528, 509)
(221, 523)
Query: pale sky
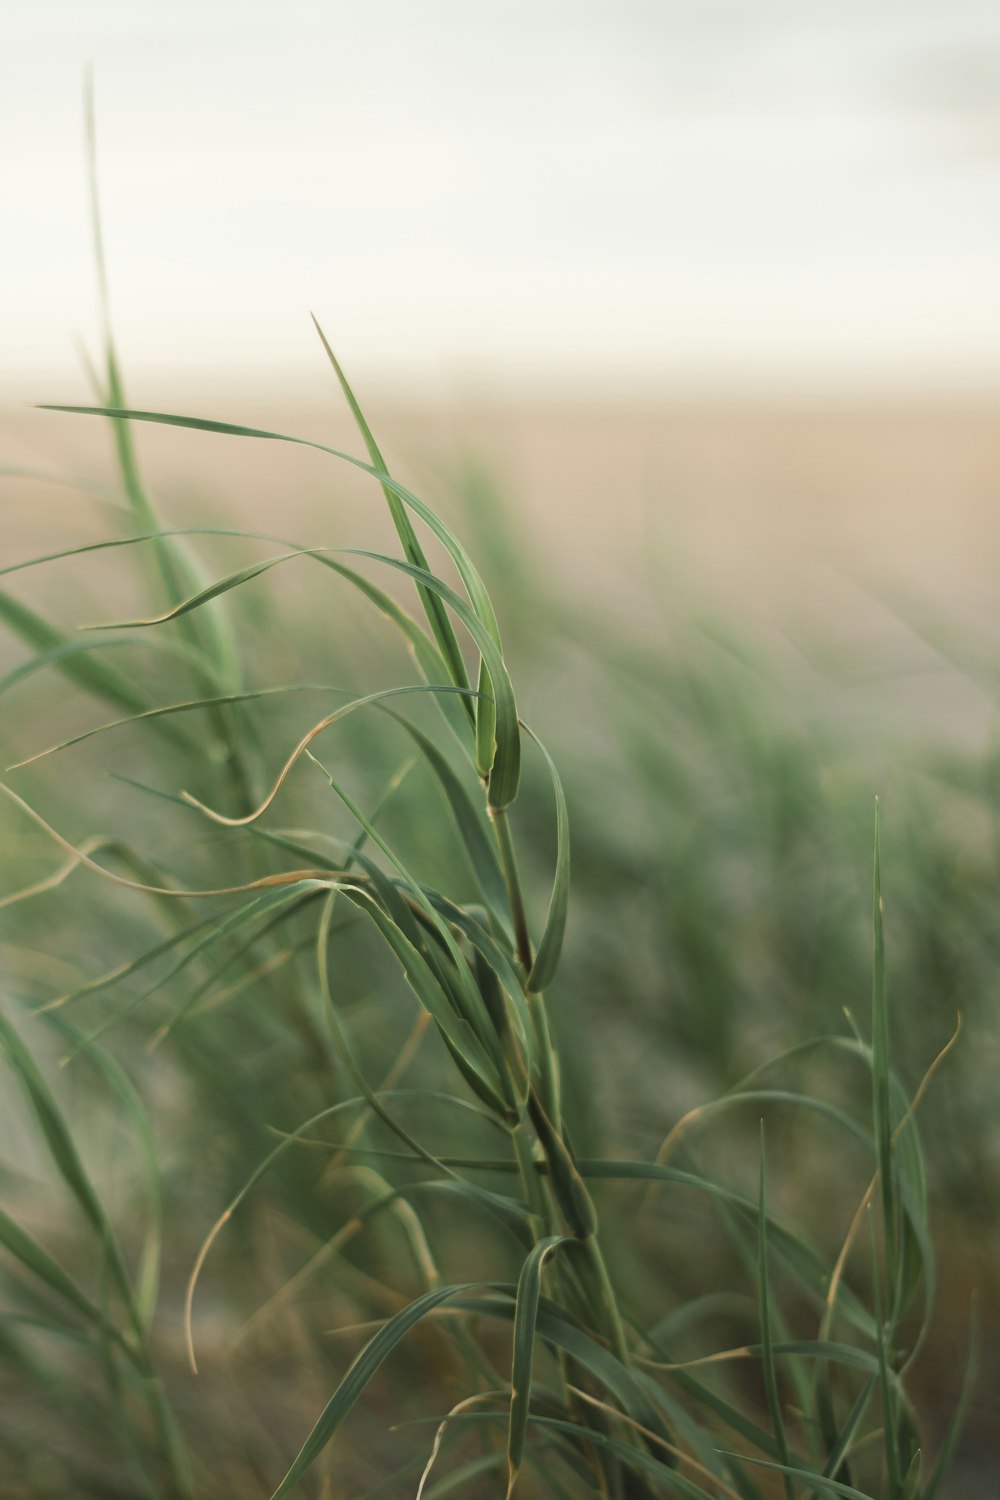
(602, 193)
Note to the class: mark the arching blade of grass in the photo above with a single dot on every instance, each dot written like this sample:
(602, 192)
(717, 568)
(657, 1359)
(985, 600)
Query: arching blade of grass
(425, 652)
(130, 966)
(478, 596)
(241, 957)
(737, 1098)
(233, 922)
(357, 1378)
(558, 1328)
(208, 592)
(670, 1480)
(800, 1260)
(434, 609)
(168, 710)
(819, 1482)
(529, 1288)
(505, 773)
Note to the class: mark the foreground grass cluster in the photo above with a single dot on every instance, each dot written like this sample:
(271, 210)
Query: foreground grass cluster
(306, 1191)
(316, 1115)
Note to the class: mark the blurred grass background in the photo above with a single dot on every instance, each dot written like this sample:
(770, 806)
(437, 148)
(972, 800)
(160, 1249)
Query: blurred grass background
(761, 617)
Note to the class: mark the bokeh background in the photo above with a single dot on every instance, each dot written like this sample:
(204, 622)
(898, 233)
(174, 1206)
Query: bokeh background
(686, 316)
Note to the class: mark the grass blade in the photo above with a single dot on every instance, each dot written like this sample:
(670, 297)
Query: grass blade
(434, 609)
(360, 1373)
(529, 1289)
(546, 962)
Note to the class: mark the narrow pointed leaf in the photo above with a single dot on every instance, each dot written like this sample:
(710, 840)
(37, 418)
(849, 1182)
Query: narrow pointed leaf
(357, 1378)
(529, 1289)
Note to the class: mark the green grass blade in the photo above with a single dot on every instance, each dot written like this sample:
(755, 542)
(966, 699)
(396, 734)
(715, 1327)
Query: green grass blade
(583, 1436)
(794, 1253)
(504, 769)
(849, 1431)
(357, 1378)
(482, 855)
(817, 1481)
(220, 930)
(529, 1289)
(478, 596)
(474, 585)
(434, 609)
(505, 773)
(168, 710)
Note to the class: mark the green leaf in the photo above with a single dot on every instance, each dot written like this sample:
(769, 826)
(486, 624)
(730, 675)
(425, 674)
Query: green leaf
(505, 769)
(839, 1451)
(357, 1378)
(529, 1287)
(798, 1257)
(422, 981)
(550, 948)
(434, 608)
(815, 1481)
(482, 855)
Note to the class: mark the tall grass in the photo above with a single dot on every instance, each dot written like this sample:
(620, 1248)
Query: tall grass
(319, 1144)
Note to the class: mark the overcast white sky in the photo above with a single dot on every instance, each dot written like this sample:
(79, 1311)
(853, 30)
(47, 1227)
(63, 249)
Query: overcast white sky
(727, 192)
